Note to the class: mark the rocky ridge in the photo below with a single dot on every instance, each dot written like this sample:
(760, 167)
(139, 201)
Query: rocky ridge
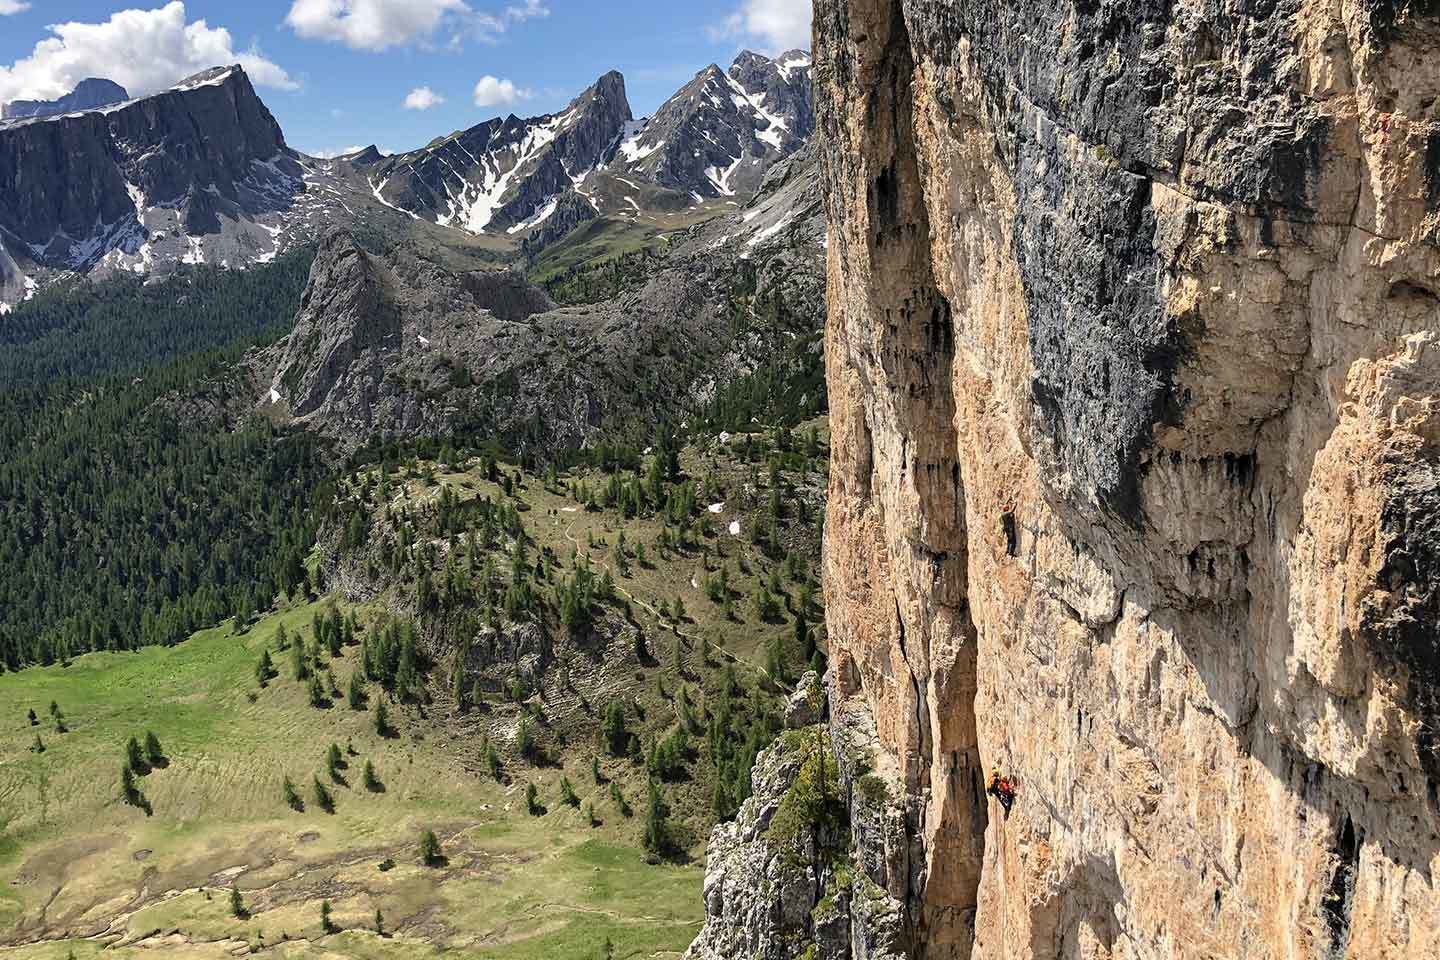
(1134, 393)
(505, 175)
(719, 135)
(397, 342)
(199, 173)
(87, 95)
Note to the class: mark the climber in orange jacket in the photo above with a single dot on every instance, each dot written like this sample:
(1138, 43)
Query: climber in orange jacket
(1003, 790)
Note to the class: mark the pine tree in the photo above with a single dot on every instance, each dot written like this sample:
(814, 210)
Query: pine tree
(299, 662)
(775, 659)
(154, 755)
(237, 905)
(590, 813)
(265, 669)
(619, 800)
(133, 757)
(54, 708)
(722, 805)
(291, 795)
(128, 790)
(379, 923)
(532, 799)
(525, 740)
(34, 720)
(317, 691)
(327, 925)
(355, 693)
(492, 761)
(430, 853)
(595, 769)
(333, 762)
(656, 836)
(567, 792)
(617, 738)
(382, 718)
(323, 798)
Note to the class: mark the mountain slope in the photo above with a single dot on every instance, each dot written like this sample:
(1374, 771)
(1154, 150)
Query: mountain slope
(505, 175)
(718, 135)
(199, 173)
(397, 344)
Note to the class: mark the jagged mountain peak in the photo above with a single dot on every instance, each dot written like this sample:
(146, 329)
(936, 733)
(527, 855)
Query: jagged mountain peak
(506, 175)
(172, 163)
(717, 136)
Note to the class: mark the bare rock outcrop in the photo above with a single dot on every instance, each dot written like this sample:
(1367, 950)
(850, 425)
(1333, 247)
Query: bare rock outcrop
(396, 343)
(1135, 398)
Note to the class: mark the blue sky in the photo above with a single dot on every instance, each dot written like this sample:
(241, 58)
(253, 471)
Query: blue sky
(338, 73)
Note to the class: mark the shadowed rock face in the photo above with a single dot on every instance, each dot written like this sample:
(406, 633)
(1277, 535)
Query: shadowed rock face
(1135, 396)
(75, 187)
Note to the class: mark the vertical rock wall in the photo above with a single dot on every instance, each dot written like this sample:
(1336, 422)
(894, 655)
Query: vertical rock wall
(1135, 393)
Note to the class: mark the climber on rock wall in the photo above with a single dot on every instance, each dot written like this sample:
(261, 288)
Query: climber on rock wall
(1003, 790)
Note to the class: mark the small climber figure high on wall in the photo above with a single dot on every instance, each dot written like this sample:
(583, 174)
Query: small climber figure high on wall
(1003, 790)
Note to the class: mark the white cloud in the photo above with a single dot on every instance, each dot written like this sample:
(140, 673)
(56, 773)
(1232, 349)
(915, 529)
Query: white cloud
(773, 25)
(494, 92)
(8, 7)
(423, 98)
(371, 24)
(144, 51)
(380, 24)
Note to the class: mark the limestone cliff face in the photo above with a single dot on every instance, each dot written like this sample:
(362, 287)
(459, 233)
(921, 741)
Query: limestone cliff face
(1135, 393)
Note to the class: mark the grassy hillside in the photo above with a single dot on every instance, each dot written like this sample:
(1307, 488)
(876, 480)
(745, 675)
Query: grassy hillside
(77, 861)
(82, 869)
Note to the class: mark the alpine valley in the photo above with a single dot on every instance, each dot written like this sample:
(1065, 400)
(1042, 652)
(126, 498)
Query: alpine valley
(967, 491)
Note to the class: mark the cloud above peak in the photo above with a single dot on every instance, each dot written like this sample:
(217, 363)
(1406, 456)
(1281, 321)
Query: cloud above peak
(772, 25)
(495, 92)
(144, 51)
(377, 25)
(371, 24)
(8, 7)
(423, 98)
